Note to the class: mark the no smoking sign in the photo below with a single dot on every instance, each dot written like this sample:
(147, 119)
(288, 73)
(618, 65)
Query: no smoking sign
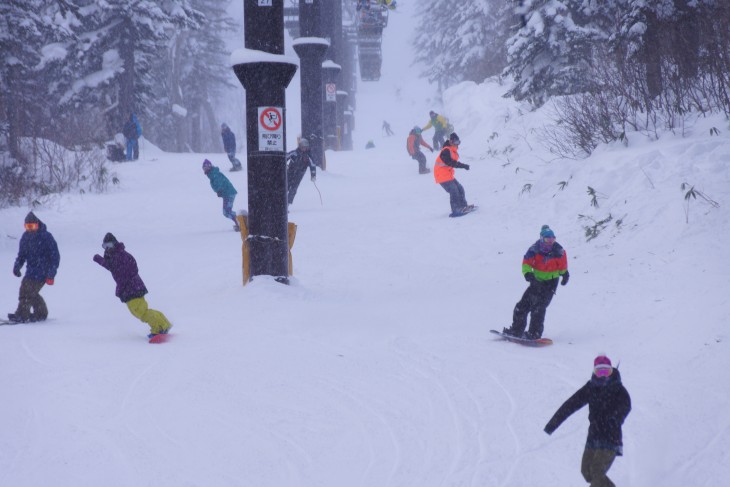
(271, 129)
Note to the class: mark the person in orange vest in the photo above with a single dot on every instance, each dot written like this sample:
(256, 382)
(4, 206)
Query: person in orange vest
(443, 173)
(414, 143)
(543, 265)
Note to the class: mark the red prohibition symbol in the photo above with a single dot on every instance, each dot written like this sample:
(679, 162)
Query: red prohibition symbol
(270, 119)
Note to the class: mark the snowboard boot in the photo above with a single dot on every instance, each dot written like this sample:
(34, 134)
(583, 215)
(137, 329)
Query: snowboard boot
(16, 319)
(509, 331)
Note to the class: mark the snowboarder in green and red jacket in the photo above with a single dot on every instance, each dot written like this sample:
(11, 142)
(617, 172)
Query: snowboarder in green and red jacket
(542, 266)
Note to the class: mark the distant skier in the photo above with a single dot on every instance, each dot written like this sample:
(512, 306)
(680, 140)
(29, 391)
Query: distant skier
(609, 404)
(440, 126)
(130, 287)
(224, 189)
(39, 250)
(543, 264)
(229, 145)
(413, 144)
(443, 173)
(298, 161)
(386, 128)
(132, 132)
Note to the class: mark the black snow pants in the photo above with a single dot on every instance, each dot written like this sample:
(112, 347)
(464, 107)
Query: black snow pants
(294, 174)
(29, 298)
(421, 158)
(535, 301)
(457, 196)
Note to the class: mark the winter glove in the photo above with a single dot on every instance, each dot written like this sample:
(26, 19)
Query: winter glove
(530, 277)
(220, 195)
(548, 430)
(566, 276)
(466, 166)
(49, 281)
(98, 259)
(17, 272)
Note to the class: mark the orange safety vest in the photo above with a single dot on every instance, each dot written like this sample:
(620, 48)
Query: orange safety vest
(441, 172)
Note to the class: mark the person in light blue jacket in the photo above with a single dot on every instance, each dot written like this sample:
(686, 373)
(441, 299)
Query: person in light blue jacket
(224, 189)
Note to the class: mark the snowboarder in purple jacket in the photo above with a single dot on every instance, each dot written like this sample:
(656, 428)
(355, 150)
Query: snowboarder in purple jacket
(130, 287)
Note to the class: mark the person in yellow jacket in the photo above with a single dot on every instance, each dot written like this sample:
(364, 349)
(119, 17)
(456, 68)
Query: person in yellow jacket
(440, 125)
(443, 173)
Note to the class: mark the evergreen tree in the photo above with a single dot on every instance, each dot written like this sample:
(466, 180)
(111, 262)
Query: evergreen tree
(460, 41)
(124, 44)
(197, 74)
(551, 53)
(33, 38)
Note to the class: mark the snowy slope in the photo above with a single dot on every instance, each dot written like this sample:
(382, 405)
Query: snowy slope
(375, 366)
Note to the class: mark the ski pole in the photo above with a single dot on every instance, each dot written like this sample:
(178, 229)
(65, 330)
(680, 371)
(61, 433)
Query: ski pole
(318, 191)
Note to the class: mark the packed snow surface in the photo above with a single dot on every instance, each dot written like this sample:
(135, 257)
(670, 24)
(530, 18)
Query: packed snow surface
(375, 367)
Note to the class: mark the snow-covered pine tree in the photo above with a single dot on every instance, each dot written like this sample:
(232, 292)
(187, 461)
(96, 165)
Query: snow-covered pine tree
(126, 42)
(33, 36)
(197, 74)
(460, 41)
(551, 53)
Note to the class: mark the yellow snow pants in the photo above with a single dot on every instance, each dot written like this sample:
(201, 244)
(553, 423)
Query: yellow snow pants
(157, 321)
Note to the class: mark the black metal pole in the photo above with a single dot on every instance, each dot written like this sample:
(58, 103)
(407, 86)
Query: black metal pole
(311, 48)
(265, 73)
(331, 72)
(341, 127)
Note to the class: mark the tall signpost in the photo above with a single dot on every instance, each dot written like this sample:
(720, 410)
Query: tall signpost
(265, 72)
(311, 48)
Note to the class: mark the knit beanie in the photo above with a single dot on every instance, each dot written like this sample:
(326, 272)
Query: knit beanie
(545, 231)
(207, 165)
(31, 218)
(109, 238)
(602, 366)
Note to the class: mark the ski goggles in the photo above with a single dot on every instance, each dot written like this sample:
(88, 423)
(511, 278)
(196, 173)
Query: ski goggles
(31, 227)
(603, 370)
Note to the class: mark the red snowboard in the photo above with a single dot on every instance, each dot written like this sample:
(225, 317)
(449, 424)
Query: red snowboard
(161, 338)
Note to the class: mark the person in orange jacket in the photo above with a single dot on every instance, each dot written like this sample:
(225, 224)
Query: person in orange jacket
(414, 143)
(443, 173)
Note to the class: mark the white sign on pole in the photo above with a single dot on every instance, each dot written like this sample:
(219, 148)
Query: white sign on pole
(330, 90)
(265, 3)
(271, 129)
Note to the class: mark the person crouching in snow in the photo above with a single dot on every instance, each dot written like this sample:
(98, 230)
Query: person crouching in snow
(224, 189)
(130, 287)
(443, 173)
(609, 404)
(543, 264)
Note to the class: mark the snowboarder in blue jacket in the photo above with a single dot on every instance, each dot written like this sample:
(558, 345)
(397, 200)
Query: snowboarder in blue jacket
(39, 251)
(132, 132)
(224, 189)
